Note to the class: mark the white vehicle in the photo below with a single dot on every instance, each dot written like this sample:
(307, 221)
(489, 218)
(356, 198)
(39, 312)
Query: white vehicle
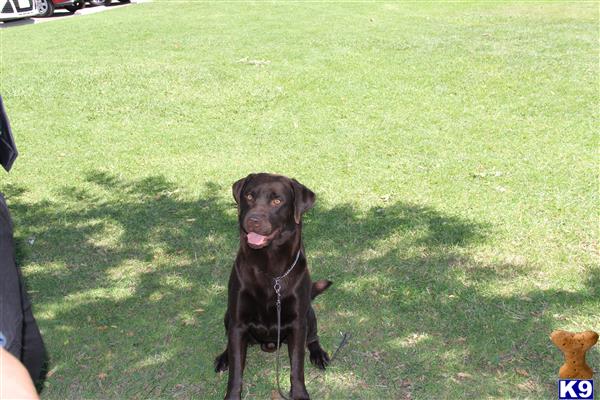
(17, 9)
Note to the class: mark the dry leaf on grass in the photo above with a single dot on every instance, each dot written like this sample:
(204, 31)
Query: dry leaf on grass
(275, 395)
(522, 372)
(528, 386)
(464, 375)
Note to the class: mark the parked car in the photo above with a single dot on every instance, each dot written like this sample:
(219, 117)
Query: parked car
(17, 9)
(47, 7)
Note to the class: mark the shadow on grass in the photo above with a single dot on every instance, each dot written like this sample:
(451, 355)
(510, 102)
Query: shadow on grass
(128, 280)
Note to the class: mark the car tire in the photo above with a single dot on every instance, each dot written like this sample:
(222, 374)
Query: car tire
(46, 8)
(78, 5)
(124, 1)
(98, 2)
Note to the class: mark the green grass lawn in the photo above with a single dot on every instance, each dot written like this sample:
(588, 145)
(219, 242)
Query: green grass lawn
(453, 147)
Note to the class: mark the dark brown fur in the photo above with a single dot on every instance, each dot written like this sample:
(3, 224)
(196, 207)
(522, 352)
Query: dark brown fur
(272, 206)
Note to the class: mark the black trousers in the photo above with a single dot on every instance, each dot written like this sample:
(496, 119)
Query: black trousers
(17, 324)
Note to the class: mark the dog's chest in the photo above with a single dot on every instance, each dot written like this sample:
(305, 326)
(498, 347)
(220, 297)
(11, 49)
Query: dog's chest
(260, 313)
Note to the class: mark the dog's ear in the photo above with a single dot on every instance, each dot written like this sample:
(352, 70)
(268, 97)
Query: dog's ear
(304, 199)
(238, 188)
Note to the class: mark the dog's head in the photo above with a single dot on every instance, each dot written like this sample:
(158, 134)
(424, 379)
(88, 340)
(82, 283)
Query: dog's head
(270, 205)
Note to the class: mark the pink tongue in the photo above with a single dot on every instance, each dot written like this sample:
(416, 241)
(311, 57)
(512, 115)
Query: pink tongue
(256, 239)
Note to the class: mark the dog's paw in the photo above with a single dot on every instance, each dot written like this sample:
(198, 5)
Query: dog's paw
(318, 356)
(222, 362)
(299, 394)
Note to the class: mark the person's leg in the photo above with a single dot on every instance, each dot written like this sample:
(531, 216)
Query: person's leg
(23, 338)
(33, 353)
(11, 313)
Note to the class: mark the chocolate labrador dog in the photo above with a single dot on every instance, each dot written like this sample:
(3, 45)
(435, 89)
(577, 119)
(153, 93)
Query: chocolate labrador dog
(270, 219)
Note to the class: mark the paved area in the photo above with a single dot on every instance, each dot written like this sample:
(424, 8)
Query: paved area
(61, 13)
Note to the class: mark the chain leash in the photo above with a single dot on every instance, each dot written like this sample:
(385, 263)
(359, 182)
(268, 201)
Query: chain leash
(277, 287)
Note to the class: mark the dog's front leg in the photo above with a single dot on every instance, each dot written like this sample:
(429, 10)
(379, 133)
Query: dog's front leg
(236, 353)
(296, 345)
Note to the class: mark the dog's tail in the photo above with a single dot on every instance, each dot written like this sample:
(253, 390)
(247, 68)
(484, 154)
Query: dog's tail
(319, 287)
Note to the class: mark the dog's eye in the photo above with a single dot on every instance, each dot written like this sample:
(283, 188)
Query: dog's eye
(276, 202)
(249, 197)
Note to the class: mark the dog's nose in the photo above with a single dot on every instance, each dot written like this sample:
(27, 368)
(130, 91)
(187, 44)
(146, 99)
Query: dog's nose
(256, 220)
